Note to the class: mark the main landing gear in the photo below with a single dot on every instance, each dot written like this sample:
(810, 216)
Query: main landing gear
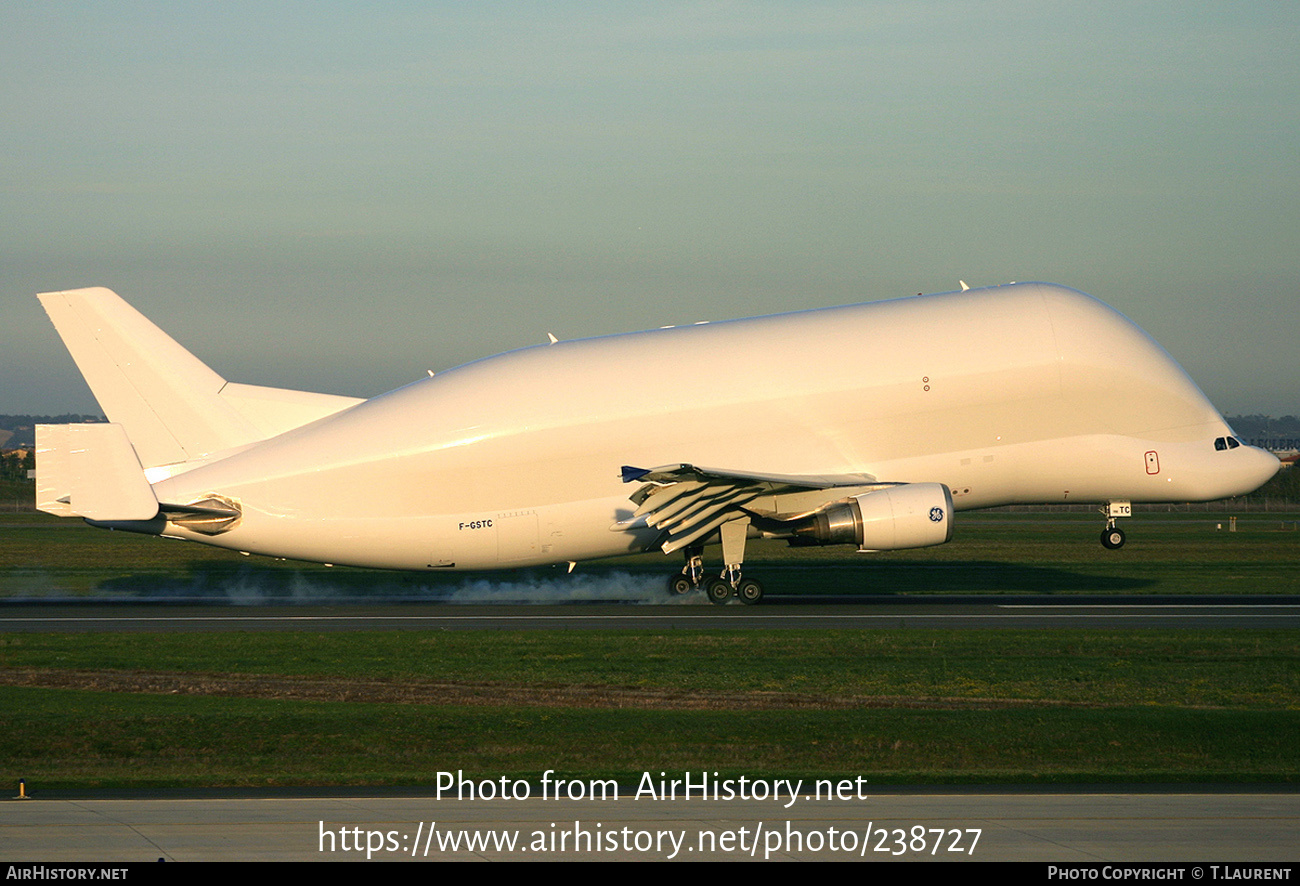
(1112, 537)
(730, 583)
(720, 589)
(692, 573)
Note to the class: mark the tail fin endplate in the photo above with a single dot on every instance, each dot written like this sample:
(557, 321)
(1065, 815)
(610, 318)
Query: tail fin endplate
(91, 471)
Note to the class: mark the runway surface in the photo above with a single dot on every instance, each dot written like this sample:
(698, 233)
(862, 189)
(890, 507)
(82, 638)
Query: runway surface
(922, 825)
(1042, 611)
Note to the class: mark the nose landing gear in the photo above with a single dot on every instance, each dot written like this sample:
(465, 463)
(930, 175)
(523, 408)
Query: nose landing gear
(1112, 537)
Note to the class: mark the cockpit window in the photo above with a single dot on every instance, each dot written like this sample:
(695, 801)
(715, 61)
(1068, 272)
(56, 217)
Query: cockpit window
(1221, 444)
(1233, 442)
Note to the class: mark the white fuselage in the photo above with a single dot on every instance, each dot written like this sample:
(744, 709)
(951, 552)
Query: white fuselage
(1015, 394)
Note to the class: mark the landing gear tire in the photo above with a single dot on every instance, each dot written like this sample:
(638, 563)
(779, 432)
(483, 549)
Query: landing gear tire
(718, 591)
(750, 591)
(1112, 538)
(679, 584)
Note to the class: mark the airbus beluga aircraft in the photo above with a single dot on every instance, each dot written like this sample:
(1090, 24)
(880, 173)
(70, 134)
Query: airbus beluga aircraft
(865, 425)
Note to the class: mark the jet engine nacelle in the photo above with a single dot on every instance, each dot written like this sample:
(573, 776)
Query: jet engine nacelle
(915, 515)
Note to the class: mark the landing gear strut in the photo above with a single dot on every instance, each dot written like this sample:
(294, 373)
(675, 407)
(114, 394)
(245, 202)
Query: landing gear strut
(691, 575)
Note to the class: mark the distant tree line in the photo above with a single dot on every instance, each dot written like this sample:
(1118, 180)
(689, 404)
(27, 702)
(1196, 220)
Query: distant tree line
(9, 422)
(15, 467)
(1278, 434)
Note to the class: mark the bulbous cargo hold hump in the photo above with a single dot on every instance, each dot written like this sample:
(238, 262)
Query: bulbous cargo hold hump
(1020, 393)
(1119, 377)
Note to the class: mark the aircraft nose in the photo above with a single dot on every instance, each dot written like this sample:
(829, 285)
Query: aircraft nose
(1260, 468)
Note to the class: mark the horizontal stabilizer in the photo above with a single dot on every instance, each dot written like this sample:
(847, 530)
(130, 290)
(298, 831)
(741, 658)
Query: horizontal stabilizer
(91, 471)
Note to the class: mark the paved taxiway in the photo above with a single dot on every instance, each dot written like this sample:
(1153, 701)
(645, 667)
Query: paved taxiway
(1078, 826)
(1042, 611)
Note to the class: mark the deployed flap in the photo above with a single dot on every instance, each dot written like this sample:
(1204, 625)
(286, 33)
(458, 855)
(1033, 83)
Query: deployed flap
(688, 502)
(91, 471)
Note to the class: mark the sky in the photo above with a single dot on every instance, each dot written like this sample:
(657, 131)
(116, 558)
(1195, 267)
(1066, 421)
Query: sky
(339, 197)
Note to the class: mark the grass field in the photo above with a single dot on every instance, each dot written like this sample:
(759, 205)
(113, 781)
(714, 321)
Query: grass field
(250, 709)
(895, 706)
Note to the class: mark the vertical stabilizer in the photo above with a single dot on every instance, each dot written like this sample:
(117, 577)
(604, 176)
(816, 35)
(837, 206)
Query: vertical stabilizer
(166, 399)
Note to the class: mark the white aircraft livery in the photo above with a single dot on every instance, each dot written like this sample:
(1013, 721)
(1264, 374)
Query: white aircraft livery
(866, 425)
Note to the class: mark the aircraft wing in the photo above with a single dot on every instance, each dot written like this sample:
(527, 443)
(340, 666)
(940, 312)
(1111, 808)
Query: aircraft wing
(687, 503)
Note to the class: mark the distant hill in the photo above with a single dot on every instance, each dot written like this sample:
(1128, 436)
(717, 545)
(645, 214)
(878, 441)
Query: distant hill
(1277, 434)
(19, 431)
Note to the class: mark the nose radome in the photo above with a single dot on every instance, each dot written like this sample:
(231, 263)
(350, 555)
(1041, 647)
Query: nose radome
(1263, 465)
